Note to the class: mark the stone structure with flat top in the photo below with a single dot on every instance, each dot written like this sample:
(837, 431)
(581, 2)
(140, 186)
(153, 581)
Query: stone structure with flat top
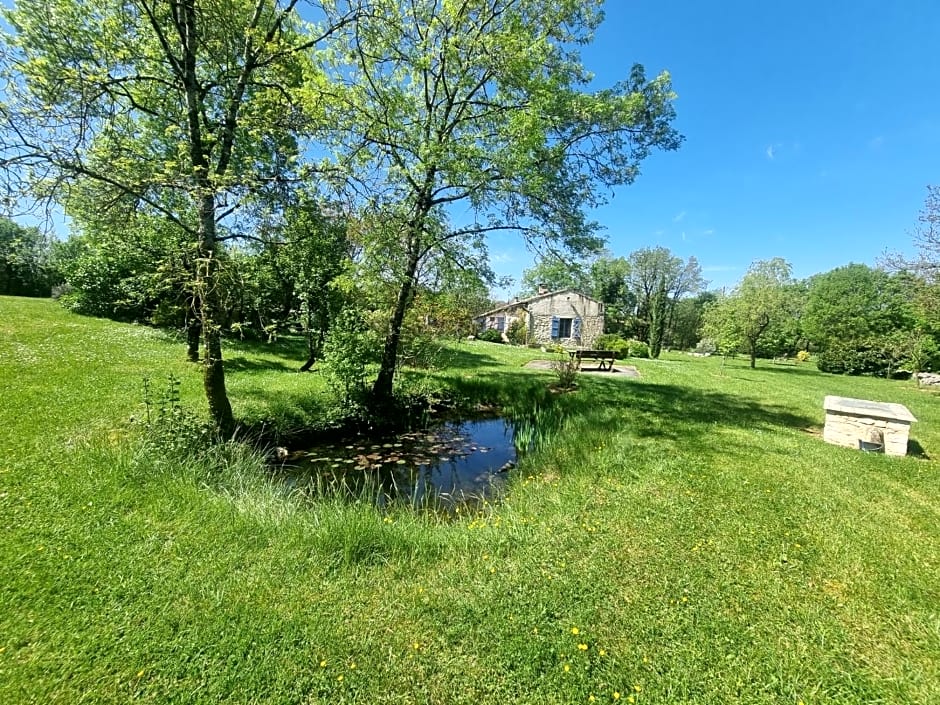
(854, 422)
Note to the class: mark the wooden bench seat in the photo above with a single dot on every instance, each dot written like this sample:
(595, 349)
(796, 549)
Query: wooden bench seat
(605, 358)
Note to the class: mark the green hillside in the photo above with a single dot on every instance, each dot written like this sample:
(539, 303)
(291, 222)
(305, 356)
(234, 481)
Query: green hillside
(684, 537)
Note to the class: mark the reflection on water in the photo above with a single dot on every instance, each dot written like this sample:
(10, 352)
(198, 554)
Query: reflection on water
(451, 464)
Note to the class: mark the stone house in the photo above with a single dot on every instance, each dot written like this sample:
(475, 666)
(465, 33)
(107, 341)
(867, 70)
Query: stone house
(565, 317)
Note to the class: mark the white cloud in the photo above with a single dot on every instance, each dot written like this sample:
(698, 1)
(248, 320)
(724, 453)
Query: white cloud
(679, 217)
(771, 152)
(710, 231)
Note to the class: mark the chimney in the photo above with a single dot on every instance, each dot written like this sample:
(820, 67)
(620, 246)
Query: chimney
(542, 289)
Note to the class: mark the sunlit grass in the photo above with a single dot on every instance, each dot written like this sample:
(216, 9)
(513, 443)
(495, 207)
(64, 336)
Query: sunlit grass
(685, 537)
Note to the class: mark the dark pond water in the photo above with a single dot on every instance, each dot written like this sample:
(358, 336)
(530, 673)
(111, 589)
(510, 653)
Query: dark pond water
(451, 464)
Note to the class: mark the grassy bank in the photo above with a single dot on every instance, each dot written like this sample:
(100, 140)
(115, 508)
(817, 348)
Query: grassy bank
(686, 537)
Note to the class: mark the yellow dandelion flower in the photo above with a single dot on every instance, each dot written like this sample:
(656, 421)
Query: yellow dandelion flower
(631, 699)
(602, 652)
(638, 687)
(575, 631)
(140, 673)
(322, 664)
(352, 665)
(567, 668)
(591, 698)
(582, 647)
(339, 677)
(416, 646)
(616, 695)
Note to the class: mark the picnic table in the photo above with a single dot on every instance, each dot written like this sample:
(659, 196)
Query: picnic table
(605, 358)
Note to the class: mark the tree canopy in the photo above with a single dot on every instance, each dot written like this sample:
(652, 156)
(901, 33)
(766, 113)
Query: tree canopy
(762, 298)
(485, 104)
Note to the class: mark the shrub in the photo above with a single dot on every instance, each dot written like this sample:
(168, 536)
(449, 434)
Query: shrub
(607, 341)
(491, 335)
(566, 368)
(802, 356)
(614, 343)
(517, 332)
(348, 348)
(637, 348)
(848, 360)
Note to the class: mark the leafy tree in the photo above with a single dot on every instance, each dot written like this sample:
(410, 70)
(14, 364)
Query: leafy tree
(482, 104)
(176, 108)
(24, 261)
(609, 282)
(688, 318)
(924, 270)
(854, 303)
(739, 320)
(552, 272)
(658, 280)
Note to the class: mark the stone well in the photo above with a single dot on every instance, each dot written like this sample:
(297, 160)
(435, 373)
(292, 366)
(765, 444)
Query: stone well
(849, 421)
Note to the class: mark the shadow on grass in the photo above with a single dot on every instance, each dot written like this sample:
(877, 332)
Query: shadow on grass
(788, 369)
(675, 413)
(462, 359)
(916, 450)
(290, 347)
(238, 363)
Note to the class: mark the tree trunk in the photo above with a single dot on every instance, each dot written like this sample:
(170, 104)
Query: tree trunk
(382, 389)
(220, 409)
(193, 334)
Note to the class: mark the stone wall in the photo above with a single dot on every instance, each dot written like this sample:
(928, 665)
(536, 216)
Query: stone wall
(566, 304)
(591, 328)
(537, 315)
(849, 421)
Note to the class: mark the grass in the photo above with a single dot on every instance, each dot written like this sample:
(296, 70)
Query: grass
(685, 537)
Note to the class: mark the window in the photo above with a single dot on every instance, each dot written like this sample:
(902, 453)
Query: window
(501, 323)
(564, 327)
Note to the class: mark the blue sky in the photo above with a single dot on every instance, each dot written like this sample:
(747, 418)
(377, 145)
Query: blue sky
(812, 130)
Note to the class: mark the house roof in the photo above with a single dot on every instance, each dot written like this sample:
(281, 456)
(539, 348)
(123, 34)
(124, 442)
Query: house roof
(523, 302)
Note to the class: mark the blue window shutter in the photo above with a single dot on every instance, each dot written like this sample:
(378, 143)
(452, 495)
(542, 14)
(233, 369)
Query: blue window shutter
(576, 328)
(554, 326)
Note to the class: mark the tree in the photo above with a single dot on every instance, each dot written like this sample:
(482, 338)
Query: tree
(925, 268)
(174, 108)
(854, 304)
(740, 319)
(658, 280)
(24, 261)
(687, 320)
(609, 282)
(483, 104)
(553, 273)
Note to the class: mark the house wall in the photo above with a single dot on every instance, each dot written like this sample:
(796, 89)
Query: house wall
(539, 314)
(566, 304)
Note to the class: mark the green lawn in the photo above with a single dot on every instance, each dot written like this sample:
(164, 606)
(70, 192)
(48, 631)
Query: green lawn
(685, 537)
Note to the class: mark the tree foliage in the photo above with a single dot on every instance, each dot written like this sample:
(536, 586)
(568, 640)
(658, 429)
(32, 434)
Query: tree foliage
(739, 320)
(25, 261)
(483, 103)
(658, 280)
(176, 109)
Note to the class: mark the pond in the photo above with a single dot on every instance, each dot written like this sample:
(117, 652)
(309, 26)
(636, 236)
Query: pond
(444, 466)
